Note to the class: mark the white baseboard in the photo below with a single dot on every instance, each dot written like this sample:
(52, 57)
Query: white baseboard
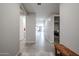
(4, 54)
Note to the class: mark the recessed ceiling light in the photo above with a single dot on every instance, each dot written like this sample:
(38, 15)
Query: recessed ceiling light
(38, 3)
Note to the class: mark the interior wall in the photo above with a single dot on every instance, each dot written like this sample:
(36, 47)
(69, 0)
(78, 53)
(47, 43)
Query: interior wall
(30, 28)
(9, 29)
(69, 26)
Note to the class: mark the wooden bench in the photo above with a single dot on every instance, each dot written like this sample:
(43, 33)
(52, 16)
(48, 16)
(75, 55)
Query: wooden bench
(63, 51)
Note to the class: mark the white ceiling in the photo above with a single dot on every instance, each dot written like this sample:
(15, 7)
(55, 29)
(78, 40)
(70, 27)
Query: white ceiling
(43, 10)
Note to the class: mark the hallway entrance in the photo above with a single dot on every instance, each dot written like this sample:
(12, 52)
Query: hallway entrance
(39, 29)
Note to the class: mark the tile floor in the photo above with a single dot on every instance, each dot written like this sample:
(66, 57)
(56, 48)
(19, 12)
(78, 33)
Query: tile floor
(40, 48)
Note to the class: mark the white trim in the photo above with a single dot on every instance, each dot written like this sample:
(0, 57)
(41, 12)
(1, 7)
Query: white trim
(4, 54)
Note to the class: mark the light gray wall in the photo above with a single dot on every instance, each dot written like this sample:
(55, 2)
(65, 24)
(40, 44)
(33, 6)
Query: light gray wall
(69, 26)
(30, 28)
(9, 29)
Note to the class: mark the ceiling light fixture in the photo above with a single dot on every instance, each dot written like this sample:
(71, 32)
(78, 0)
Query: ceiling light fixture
(38, 3)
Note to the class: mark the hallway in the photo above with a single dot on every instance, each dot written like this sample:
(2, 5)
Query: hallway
(19, 34)
(38, 16)
(41, 48)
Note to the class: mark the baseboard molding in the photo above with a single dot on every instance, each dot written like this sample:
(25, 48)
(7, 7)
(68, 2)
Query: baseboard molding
(4, 54)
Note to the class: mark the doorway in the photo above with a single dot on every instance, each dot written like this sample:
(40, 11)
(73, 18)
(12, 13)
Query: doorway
(40, 35)
(56, 29)
(22, 33)
(22, 27)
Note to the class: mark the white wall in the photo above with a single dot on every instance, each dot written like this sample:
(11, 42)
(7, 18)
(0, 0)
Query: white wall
(30, 28)
(69, 26)
(9, 29)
